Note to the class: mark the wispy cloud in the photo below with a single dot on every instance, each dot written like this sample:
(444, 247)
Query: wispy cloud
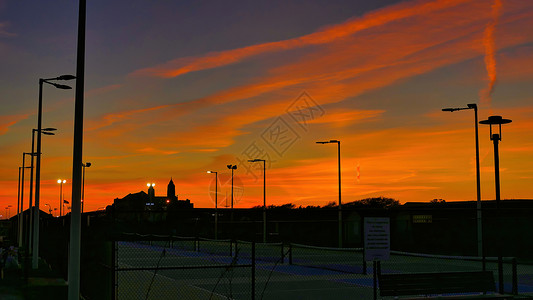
(4, 30)
(112, 118)
(344, 69)
(7, 121)
(326, 35)
(490, 55)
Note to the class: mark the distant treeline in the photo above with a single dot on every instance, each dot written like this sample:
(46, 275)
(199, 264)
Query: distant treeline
(376, 202)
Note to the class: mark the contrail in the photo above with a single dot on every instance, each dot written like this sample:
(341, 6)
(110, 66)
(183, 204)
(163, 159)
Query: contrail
(490, 49)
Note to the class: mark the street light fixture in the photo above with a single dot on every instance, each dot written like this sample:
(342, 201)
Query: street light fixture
(264, 197)
(61, 181)
(35, 252)
(496, 136)
(478, 179)
(339, 165)
(216, 202)
(84, 165)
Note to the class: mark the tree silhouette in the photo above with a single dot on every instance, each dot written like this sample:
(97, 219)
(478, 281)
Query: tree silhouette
(376, 202)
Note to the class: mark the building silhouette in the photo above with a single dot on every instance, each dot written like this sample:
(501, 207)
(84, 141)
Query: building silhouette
(146, 201)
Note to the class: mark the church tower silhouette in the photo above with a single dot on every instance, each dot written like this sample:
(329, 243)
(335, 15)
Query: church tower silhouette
(171, 191)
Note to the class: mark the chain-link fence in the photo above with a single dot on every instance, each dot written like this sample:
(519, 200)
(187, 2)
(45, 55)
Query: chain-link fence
(184, 268)
(119, 266)
(157, 267)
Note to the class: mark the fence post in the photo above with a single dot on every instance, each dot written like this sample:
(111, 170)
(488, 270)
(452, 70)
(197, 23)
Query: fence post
(114, 270)
(290, 254)
(253, 270)
(197, 244)
(282, 254)
(375, 277)
(515, 277)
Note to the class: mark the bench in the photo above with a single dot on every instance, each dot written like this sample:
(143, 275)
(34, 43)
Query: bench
(427, 284)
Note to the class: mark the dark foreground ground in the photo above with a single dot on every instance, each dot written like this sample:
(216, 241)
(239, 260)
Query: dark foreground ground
(42, 283)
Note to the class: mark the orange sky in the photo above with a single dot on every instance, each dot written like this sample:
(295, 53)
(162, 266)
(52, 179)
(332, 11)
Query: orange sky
(375, 79)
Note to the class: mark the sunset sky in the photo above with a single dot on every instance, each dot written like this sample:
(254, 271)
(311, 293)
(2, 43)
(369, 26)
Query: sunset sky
(176, 88)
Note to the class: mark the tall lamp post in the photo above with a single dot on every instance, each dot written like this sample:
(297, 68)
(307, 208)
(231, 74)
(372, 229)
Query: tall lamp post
(264, 197)
(77, 156)
(46, 131)
(35, 246)
(61, 181)
(85, 165)
(495, 123)
(7, 211)
(340, 202)
(232, 168)
(216, 202)
(478, 180)
(21, 218)
(19, 235)
(20, 202)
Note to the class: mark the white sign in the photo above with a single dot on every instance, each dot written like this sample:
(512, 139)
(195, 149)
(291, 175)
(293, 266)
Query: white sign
(377, 239)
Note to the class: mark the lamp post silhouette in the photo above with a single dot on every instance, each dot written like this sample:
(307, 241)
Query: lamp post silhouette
(340, 202)
(264, 196)
(232, 168)
(21, 219)
(85, 165)
(61, 181)
(35, 245)
(478, 179)
(495, 123)
(216, 202)
(7, 211)
(20, 202)
(46, 131)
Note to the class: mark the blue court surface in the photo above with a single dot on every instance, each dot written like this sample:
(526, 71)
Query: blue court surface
(218, 270)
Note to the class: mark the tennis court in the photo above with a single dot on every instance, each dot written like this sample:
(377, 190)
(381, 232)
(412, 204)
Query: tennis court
(187, 268)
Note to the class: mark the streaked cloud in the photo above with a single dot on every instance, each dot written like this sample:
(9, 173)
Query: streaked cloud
(329, 34)
(7, 121)
(4, 33)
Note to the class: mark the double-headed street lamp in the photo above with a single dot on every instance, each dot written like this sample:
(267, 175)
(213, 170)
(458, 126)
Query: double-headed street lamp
(45, 131)
(495, 123)
(478, 180)
(340, 202)
(216, 202)
(61, 181)
(264, 196)
(35, 252)
(85, 165)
